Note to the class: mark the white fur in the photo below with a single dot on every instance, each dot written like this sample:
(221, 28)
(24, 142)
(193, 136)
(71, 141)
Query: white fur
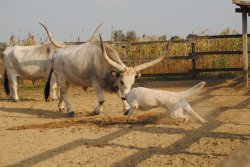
(176, 102)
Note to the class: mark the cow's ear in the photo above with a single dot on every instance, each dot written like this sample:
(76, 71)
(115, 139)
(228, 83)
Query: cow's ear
(138, 75)
(115, 74)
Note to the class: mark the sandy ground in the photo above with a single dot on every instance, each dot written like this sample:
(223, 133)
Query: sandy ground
(34, 133)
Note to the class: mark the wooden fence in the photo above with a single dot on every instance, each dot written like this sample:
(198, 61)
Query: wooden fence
(193, 55)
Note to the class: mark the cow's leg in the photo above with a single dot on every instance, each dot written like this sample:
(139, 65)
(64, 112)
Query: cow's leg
(11, 91)
(64, 89)
(13, 83)
(53, 87)
(61, 104)
(99, 94)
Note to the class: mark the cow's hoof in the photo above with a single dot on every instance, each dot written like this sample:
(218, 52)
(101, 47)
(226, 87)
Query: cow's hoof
(85, 88)
(96, 112)
(15, 100)
(91, 114)
(61, 109)
(54, 99)
(71, 114)
(126, 113)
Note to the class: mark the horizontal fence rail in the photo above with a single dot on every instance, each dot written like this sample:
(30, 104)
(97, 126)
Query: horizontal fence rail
(189, 40)
(218, 69)
(219, 53)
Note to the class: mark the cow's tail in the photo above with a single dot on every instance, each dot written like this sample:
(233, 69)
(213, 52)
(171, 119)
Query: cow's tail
(6, 83)
(47, 86)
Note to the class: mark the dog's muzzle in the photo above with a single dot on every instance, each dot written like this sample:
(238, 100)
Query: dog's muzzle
(123, 98)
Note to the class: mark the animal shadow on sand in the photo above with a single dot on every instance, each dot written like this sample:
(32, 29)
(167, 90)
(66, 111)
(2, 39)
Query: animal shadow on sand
(41, 113)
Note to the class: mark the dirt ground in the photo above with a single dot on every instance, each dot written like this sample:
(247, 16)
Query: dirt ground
(34, 133)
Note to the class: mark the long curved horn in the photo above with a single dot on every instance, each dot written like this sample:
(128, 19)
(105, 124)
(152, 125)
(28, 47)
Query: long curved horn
(146, 65)
(111, 62)
(51, 38)
(94, 36)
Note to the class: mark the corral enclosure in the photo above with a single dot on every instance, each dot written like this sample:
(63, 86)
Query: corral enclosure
(34, 133)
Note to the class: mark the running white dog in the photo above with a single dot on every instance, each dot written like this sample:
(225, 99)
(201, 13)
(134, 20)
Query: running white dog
(176, 102)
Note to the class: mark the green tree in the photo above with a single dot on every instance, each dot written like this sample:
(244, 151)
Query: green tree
(228, 31)
(163, 38)
(192, 36)
(131, 36)
(117, 35)
(175, 38)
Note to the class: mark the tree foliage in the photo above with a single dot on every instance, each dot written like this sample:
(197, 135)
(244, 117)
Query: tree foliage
(117, 35)
(163, 38)
(131, 36)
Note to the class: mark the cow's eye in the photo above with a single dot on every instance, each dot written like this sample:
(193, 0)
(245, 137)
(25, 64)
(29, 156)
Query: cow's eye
(122, 82)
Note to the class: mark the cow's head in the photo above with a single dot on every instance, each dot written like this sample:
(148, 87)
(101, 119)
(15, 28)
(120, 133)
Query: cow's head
(126, 75)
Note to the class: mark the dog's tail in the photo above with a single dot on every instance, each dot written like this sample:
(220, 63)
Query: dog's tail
(6, 83)
(47, 86)
(193, 90)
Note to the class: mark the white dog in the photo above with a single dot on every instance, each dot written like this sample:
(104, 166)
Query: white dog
(176, 102)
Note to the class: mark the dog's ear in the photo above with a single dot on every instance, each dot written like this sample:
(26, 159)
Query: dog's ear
(138, 75)
(115, 74)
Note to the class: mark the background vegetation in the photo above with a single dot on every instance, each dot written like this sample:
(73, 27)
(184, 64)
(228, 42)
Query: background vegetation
(149, 51)
(143, 52)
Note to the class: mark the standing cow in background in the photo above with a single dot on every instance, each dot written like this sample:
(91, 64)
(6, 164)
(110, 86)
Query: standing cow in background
(32, 63)
(92, 64)
(27, 62)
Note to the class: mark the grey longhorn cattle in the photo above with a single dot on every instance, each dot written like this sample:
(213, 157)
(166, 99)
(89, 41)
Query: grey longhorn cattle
(27, 62)
(92, 64)
(30, 62)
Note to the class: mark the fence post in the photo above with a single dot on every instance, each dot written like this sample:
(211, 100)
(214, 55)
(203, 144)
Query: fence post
(245, 49)
(124, 53)
(193, 60)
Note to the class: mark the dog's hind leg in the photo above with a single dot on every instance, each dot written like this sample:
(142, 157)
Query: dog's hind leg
(189, 109)
(178, 114)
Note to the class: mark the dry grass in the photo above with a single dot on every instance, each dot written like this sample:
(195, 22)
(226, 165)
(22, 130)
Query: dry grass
(151, 51)
(141, 53)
